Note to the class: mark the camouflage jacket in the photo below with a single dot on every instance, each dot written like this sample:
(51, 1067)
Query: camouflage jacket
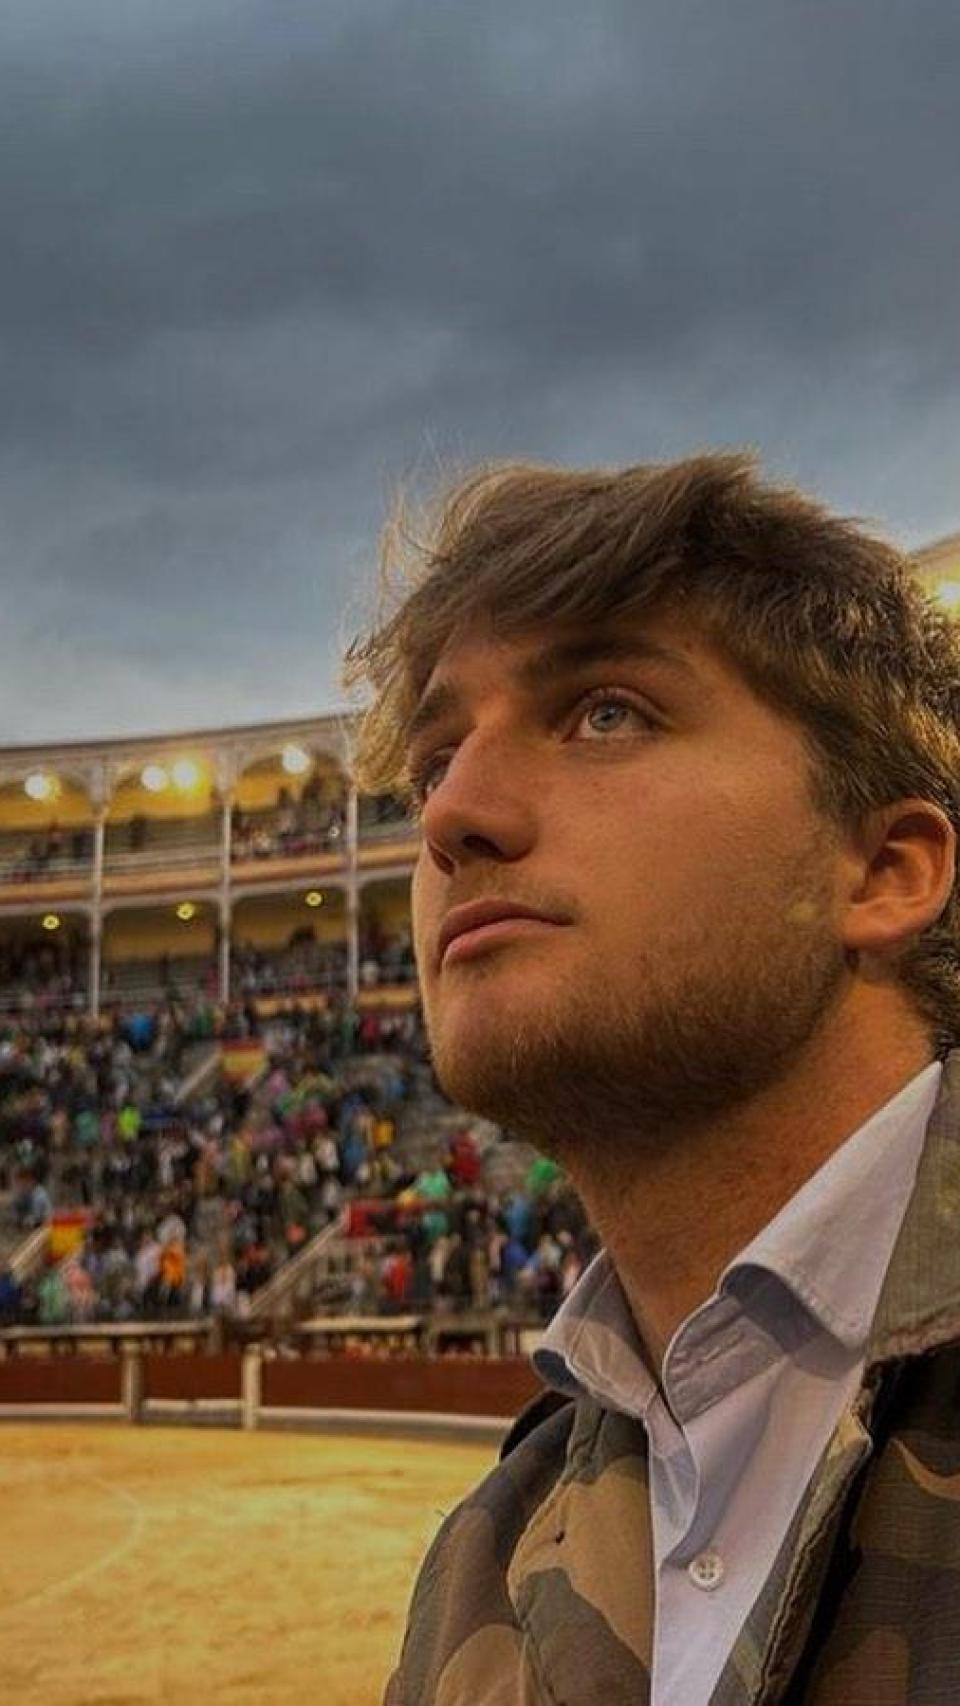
(538, 1588)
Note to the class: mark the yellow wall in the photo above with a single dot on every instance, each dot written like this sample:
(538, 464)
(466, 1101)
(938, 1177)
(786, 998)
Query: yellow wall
(257, 789)
(71, 809)
(270, 922)
(388, 903)
(131, 799)
(136, 935)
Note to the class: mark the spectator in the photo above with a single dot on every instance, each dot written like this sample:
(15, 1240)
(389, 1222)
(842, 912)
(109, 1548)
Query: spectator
(397, 1275)
(172, 1276)
(36, 1207)
(147, 1270)
(11, 1295)
(223, 1287)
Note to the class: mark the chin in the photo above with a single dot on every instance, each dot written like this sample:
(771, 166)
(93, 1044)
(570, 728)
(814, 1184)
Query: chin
(482, 1054)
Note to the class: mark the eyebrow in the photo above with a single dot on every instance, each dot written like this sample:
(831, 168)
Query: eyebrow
(552, 663)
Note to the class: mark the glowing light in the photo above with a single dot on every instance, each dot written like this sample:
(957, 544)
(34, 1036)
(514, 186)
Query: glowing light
(186, 910)
(51, 922)
(314, 898)
(154, 778)
(39, 786)
(947, 593)
(186, 774)
(295, 761)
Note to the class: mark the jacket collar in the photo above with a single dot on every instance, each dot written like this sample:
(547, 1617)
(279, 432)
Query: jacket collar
(919, 1305)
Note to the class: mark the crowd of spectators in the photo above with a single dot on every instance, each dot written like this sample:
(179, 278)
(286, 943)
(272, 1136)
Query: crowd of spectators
(386, 956)
(314, 823)
(55, 975)
(41, 975)
(306, 964)
(450, 1244)
(302, 965)
(27, 858)
(188, 1206)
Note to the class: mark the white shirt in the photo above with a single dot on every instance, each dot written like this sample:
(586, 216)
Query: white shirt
(753, 1384)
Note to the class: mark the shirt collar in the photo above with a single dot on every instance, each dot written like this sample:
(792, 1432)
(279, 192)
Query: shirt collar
(830, 1245)
(592, 1343)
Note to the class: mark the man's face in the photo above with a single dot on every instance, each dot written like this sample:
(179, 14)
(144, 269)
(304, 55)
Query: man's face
(627, 787)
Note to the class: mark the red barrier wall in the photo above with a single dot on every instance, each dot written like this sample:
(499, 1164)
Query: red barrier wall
(465, 1386)
(190, 1376)
(60, 1380)
(475, 1386)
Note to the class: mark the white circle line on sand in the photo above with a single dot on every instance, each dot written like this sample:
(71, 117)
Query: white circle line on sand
(76, 1577)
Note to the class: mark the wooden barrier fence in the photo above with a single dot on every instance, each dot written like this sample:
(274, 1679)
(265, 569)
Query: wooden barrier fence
(252, 1388)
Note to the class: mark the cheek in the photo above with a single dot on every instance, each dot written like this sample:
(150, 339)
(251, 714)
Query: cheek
(420, 912)
(674, 880)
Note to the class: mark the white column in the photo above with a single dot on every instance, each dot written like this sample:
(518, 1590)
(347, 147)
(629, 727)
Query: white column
(96, 916)
(93, 973)
(131, 1382)
(225, 911)
(353, 895)
(226, 844)
(353, 941)
(251, 1369)
(226, 839)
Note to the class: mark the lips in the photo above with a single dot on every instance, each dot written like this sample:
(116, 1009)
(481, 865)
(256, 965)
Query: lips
(474, 916)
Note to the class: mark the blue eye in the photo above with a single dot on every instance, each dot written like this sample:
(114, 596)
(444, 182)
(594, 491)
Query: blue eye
(607, 715)
(612, 713)
(602, 715)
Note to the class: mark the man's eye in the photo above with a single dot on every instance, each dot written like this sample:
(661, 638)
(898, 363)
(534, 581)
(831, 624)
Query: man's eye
(612, 714)
(426, 774)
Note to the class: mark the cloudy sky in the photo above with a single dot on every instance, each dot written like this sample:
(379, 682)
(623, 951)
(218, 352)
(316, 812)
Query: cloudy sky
(263, 261)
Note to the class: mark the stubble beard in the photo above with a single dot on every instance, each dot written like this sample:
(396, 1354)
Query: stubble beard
(608, 1069)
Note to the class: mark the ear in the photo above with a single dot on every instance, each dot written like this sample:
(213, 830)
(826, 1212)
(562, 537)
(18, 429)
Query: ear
(903, 872)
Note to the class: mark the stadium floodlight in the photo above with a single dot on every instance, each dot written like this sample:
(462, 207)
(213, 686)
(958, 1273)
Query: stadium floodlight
(947, 593)
(314, 898)
(186, 910)
(51, 922)
(186, 774)
(154, 778)
(40, 786)
(294, 760)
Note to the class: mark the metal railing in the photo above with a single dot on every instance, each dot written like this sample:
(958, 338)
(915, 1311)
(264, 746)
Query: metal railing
(297, 1276)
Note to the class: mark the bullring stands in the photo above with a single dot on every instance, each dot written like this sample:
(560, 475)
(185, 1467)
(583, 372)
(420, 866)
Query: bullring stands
(175, 1185)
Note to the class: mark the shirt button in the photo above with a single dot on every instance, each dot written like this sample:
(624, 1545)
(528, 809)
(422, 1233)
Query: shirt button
(706, 1571)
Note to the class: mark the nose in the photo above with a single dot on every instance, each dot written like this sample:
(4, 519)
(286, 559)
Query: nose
(482, 808)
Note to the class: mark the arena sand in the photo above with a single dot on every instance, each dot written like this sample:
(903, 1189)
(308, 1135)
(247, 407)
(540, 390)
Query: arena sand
(211, 1568)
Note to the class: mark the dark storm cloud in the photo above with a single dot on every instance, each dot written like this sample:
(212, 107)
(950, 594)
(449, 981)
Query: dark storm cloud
(262, 260)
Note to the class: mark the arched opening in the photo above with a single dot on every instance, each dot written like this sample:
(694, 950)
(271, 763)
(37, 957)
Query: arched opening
(152, 952)
(46, 827)
(288, 805)
(289, 944)
(44, 961)
(165, 813)
(386, 941)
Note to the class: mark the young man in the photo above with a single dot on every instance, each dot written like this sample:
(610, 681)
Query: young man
(686, 751)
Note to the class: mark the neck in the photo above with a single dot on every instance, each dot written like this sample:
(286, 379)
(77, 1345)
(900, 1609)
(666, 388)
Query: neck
(673, 1218)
